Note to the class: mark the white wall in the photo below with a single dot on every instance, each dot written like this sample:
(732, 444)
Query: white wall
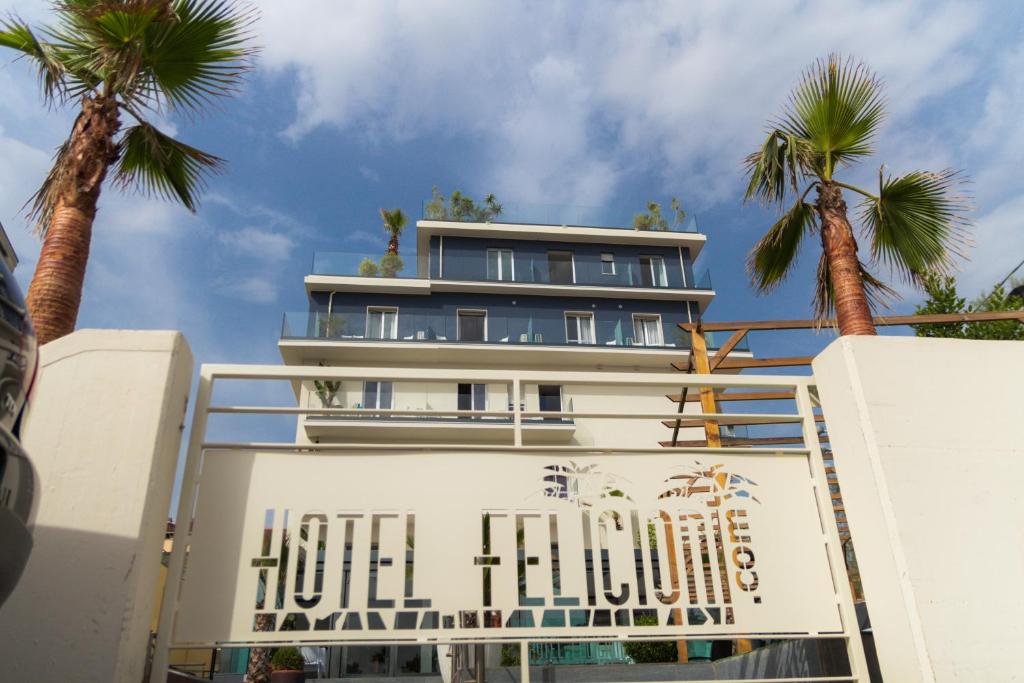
(103, 431)
(928, 436)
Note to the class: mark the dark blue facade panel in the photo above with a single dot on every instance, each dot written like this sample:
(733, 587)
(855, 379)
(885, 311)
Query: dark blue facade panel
(435, 257)
(466, 258)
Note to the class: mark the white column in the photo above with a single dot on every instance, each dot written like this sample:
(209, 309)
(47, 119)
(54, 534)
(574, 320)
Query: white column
(104, 430)
(928, 440)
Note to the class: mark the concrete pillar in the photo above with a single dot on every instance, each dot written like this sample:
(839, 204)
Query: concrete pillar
(928, 439)
(103, 430)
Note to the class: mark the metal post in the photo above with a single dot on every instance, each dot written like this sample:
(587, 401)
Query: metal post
(517, 413)
(524, 662)
(480, 676)
(833, 546)
(183, 524)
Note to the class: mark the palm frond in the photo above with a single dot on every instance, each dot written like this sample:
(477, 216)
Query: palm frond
(774, 254)
(17, 35)
(917, 223)
(41, 205)
(394, 220)
(837, 107)
(879, 294)
(201, 53)
(115, 41)
(156, 163)
(779, 164)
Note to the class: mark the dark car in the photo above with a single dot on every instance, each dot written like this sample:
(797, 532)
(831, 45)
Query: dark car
(19, 486)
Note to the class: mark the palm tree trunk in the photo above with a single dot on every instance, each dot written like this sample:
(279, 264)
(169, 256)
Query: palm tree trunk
(851, 303)
(55, 292)
(258, 668)
(393, 244)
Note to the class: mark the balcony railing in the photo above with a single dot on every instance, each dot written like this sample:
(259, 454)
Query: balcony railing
(519, 330)
(416, 408)
(484, 267)
(558, 214)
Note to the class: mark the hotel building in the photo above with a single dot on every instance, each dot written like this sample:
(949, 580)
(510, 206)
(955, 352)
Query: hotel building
(484, 299)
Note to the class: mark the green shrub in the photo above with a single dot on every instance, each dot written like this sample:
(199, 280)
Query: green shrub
(368, 268)
(510, 655)
(391, 265)
(287, 659)
(654, 651)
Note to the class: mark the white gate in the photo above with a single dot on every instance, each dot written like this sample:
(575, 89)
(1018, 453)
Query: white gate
(349, 543)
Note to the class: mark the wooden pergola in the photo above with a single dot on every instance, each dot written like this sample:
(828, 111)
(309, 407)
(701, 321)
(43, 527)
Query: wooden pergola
(700, 361)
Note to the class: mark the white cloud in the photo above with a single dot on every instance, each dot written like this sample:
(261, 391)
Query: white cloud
(364, 237)
(254, 289)
(264, 244)
(369, 174)
(567, 99)
(999, 242)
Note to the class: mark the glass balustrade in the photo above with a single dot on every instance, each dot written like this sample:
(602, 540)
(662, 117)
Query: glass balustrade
(505, 329)
(567, 215)
(505, 265)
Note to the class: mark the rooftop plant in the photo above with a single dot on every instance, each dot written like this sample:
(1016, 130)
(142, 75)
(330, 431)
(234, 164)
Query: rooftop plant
(394, 223)
(460, 207)
(652, 219)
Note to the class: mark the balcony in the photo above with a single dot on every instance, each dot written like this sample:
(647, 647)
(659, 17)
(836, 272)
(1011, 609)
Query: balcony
(497, 268)
(558, 214)
(504, 330)
(428, 414)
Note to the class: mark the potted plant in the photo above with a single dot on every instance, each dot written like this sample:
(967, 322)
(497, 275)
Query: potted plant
(368, 267)
(391, 265)
(287, 666)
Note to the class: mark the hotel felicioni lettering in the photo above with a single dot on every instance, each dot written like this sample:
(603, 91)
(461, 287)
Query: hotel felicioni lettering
(478, 546)
(580, 555)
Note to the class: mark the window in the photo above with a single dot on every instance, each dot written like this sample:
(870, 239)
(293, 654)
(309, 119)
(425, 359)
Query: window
(561, 270)
(652, 272)
(579, 328)
(607, 264)
(382, 323)
(472, 326)
(499, 265)
(377, 395)
(550, 399)
(472, 397)
(647, 330)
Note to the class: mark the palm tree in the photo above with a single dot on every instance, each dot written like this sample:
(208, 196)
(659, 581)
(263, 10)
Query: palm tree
(914, 223)
(394, 223)
(114, 59)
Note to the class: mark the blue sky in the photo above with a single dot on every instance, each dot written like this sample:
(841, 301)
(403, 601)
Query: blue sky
(358, 105)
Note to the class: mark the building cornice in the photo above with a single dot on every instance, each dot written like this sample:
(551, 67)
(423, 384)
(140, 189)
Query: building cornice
(424, 287)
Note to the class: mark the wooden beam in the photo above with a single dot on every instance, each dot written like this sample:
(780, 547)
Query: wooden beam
(699, 354)
(730, 421)
(738, 441)
(735, 363)
(739, 396)
(883, 321)
(728, 346)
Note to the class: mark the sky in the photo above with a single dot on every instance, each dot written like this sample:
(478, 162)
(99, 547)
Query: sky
(353, 106)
